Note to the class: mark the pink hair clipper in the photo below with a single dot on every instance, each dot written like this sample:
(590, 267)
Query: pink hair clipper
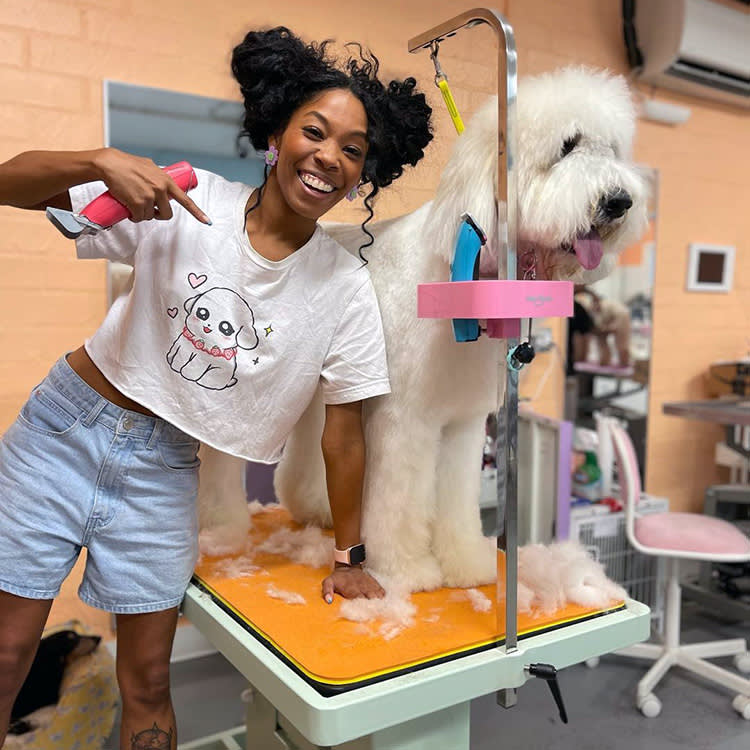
(105, 211)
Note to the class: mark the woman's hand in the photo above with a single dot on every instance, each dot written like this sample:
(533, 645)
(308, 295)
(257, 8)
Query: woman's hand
(351, 582)
(142, 187)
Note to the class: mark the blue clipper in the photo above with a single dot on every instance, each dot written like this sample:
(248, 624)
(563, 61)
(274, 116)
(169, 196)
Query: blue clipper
(465, 267)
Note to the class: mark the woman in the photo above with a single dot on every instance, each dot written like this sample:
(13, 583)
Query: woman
(231, 325)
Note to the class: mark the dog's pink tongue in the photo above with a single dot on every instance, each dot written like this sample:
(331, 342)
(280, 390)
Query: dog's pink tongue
(588, 248)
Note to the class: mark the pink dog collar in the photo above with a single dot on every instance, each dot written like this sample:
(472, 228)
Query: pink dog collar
(214, 351)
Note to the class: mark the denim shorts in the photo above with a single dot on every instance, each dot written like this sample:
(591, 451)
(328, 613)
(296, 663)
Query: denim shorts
(77, 471)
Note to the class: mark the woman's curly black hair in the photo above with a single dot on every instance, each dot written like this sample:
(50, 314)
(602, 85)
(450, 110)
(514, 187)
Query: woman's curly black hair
(278, 73)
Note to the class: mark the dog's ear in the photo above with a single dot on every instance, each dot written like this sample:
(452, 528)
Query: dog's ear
(86, 645)
(247, 338)
(190, 303)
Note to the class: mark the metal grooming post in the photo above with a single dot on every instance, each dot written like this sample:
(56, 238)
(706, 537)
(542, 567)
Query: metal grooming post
(507, 418)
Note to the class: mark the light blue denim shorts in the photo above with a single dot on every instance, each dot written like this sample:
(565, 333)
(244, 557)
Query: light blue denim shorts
(77, 471)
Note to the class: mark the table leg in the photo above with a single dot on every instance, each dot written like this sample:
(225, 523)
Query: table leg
(267, 729)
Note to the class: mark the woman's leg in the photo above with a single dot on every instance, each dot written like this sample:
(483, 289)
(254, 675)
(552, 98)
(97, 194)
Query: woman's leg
(144, 645)
(21, 624)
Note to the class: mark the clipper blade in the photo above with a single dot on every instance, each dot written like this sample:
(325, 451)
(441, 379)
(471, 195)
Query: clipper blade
(70, 224)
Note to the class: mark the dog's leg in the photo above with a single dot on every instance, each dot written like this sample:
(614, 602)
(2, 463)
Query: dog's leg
(399, 499)
(300, 478)
(622, 341)
(581, 346)
(466, 556)
(222, 504)
(605, 352)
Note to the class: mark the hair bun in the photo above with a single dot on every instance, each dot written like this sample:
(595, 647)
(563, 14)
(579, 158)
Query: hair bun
(277, 72)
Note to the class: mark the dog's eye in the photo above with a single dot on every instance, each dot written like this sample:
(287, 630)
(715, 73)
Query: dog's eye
(569, 144)
(202, 313)
(226, 328)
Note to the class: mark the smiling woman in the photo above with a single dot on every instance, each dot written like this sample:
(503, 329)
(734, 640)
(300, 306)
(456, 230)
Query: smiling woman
(343, 128)
(318, 159)
(242, 308)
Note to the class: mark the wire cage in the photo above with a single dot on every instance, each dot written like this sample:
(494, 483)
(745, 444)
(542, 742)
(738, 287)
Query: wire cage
(642, 576)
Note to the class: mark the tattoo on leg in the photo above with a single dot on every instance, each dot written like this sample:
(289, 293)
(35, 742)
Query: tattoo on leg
(152, 739)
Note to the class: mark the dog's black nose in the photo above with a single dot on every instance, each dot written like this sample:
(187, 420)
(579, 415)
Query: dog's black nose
(614, 205)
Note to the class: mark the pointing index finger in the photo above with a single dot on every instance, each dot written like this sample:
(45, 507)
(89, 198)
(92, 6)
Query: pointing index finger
(188, 204)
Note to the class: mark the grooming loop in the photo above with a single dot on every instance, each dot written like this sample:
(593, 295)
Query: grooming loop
(441, 81)
(528, 265)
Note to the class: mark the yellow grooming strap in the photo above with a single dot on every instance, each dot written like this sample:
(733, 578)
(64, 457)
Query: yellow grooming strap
(451, 104)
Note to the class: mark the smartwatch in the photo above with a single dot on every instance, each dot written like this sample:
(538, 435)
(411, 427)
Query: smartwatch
(354, 555)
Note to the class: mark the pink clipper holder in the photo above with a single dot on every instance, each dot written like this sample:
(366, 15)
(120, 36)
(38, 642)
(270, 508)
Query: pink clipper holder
(502, 303)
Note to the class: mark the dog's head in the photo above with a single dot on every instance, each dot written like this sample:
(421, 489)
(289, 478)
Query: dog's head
(66, 644)
(221, 318)
(580, 199)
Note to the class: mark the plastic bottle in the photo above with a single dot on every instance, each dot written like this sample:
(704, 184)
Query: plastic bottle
(587, 478)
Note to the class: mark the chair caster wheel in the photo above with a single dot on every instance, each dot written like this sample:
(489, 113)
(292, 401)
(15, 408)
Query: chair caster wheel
(649, 706)
(741, 704)
(742, 662)
(592, 663)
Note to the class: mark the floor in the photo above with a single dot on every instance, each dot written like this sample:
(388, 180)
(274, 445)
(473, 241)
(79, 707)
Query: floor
(600, 704)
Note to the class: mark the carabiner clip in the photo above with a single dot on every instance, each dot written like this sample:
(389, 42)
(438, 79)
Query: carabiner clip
(441, 81)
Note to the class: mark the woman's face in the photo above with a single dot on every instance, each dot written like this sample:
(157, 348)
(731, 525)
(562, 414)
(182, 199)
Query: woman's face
(322, 152)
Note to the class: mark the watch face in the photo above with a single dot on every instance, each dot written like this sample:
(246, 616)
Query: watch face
(357, 554)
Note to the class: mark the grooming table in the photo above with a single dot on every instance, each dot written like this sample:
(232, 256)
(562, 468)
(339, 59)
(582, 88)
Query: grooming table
(319, 680)
(726, 411)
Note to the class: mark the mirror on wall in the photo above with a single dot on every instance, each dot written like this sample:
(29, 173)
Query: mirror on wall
(608, 352)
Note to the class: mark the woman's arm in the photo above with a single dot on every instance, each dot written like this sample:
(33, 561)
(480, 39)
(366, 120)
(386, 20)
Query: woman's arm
(37, 179)
(344, 455)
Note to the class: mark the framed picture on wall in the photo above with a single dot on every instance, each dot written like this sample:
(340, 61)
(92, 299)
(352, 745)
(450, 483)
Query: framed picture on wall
(710, 268)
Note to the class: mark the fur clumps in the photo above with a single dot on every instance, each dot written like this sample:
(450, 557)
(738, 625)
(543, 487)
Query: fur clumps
(278, 73)
(308, 546)
(383, 618)
(550, 577)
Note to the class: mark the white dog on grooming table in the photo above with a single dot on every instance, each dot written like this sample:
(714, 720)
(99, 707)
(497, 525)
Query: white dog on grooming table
(580, 201)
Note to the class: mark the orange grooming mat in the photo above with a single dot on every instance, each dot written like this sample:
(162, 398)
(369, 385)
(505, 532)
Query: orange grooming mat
(334, 654)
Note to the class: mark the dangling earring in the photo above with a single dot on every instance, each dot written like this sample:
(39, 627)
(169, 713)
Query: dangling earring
(271, 156)
(353, 193)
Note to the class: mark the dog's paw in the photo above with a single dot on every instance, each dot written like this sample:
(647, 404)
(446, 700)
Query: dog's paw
(477, 569)
(412, 575)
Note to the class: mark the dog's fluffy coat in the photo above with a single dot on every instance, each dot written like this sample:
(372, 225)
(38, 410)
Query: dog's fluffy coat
(424, 441)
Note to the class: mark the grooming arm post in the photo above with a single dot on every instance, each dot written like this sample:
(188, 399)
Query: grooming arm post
(507, 474)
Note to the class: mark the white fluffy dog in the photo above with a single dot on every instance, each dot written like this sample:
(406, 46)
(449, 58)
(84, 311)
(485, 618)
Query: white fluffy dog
(580, 202)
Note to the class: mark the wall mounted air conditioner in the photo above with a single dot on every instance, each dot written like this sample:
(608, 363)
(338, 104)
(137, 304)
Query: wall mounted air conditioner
(698, 47)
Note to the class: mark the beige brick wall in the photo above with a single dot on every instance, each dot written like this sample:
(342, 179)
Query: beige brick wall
(54, 55)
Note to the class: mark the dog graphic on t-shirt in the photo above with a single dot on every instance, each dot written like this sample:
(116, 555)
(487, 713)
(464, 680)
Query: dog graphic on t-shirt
(218, 323)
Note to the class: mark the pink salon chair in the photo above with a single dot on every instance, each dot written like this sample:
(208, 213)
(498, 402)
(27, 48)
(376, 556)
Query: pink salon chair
(675, 537)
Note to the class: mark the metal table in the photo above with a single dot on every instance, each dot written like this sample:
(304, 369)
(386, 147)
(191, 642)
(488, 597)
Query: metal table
(425, 709)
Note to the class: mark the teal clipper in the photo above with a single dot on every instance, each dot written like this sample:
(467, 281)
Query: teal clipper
(465, 267)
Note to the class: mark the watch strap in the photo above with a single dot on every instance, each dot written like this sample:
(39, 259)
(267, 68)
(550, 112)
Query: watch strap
(354, 555)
